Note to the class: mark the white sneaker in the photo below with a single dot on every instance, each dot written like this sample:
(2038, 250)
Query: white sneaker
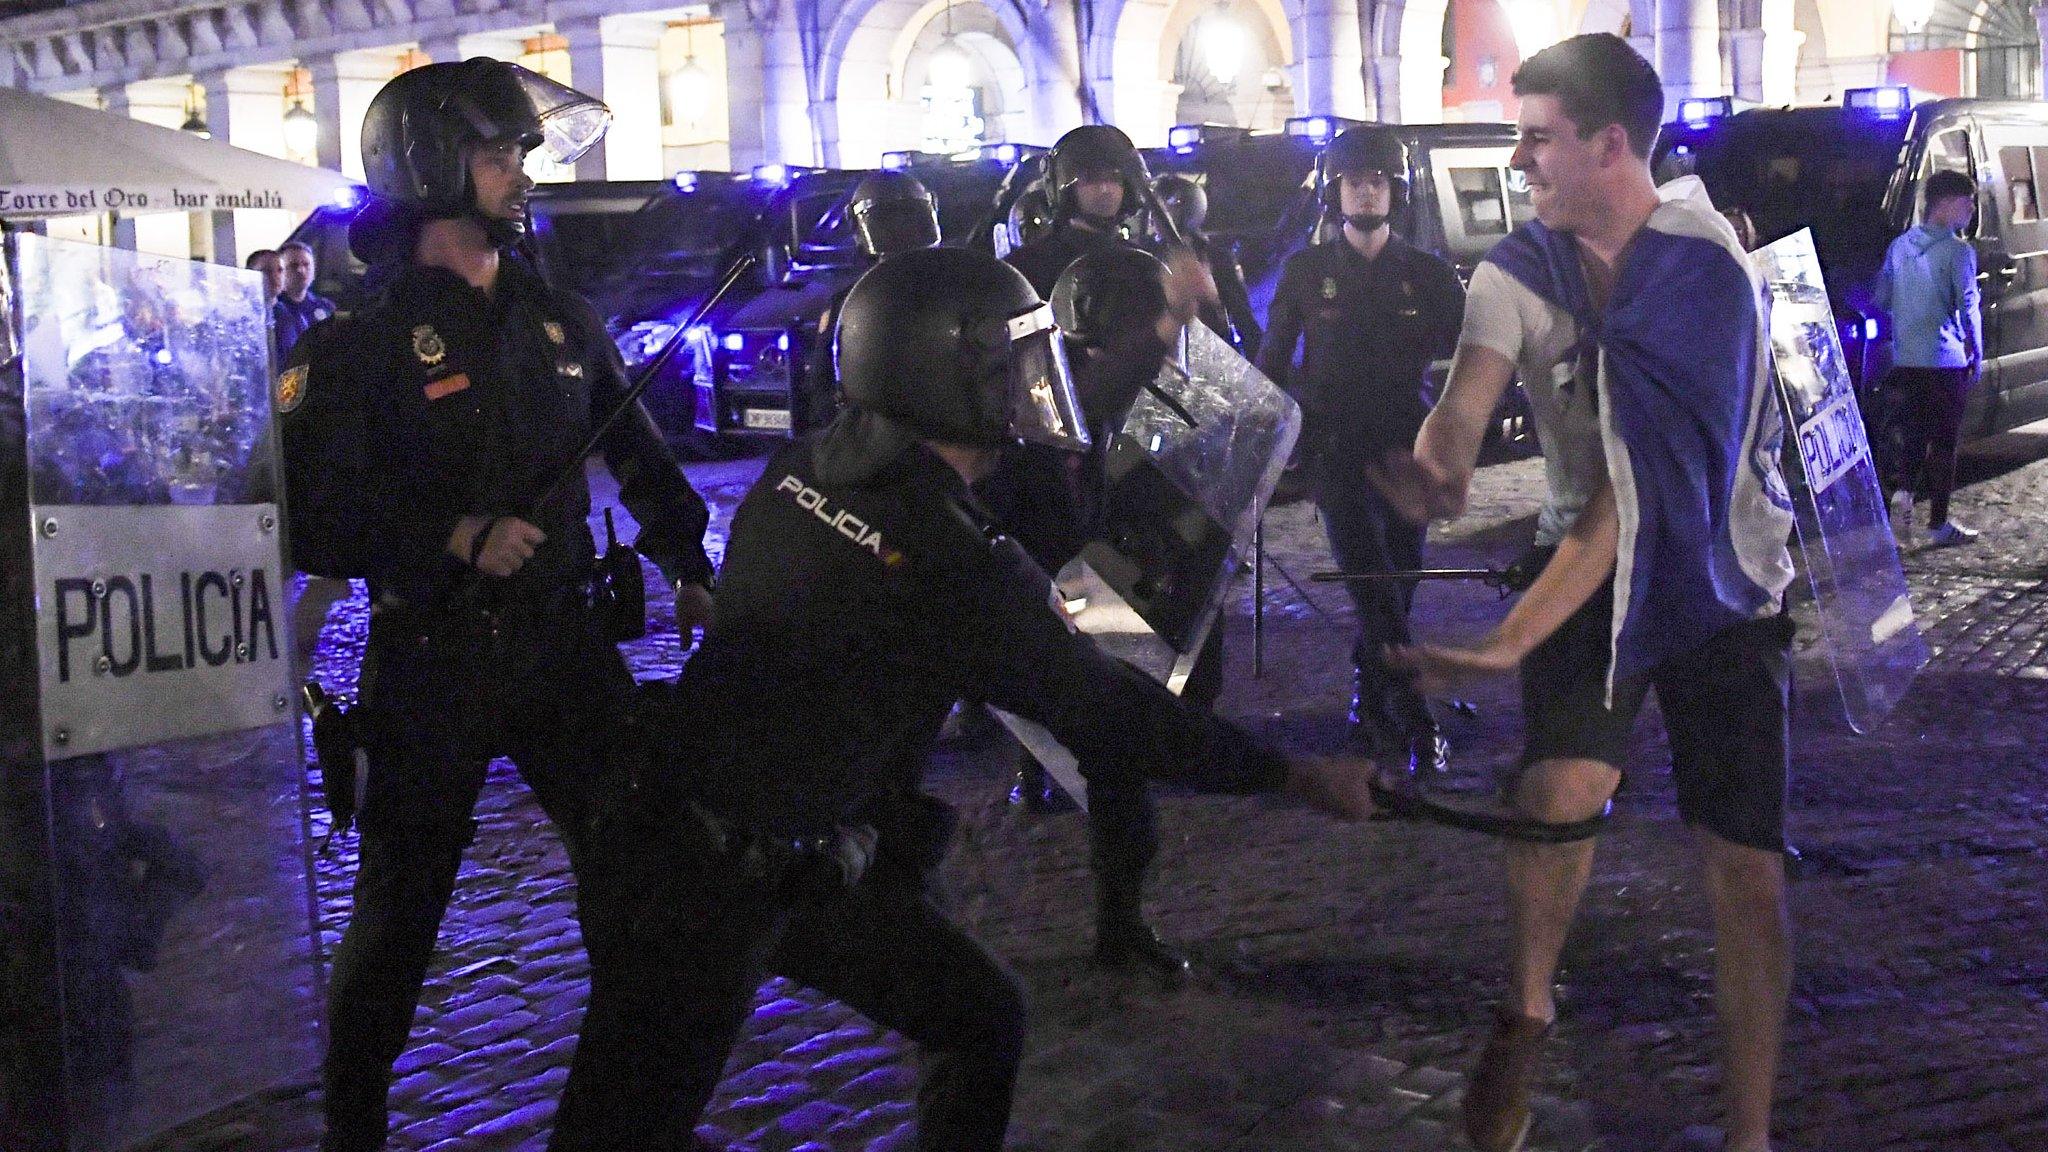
(1950, 534)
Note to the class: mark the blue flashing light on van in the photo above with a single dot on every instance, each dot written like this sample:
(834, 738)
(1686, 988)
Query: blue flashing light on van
(1700, 111)
(1317, 129)
(1888, 103)
(685, 181)
(350, 197)
(774, 175)
(897, 161)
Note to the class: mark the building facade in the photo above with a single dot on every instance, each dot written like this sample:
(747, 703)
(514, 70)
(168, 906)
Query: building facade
(733, 83)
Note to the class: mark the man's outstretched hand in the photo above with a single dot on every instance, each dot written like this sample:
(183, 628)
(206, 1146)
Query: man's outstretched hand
(1417, 490)
(1338, 785)
(1438, 670)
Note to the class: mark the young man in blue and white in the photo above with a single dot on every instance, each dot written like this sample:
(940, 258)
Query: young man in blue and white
(1639, 330)
(1929, 286)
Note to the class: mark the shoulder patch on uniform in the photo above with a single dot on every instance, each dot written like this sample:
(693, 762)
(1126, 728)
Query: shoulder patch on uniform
(556, 335)
(428, 346)
(291, 389)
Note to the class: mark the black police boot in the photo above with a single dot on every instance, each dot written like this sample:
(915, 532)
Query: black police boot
(1428, 753)
(1124, 942)
(1372, 731)
(1035, 790)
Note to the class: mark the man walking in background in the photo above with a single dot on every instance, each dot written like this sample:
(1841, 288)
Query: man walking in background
(1929, 286)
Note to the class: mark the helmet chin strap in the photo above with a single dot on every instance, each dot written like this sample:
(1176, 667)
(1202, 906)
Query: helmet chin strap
(1367, 221)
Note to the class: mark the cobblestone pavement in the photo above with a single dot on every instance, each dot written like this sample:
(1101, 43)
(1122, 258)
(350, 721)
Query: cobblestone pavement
(1345, 972)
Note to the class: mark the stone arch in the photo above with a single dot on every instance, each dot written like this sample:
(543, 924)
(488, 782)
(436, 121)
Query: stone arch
(870, 44)
(1134, 63)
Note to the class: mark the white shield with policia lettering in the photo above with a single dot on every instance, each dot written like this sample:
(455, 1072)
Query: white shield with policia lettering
(1845, 535)
(1189, 476)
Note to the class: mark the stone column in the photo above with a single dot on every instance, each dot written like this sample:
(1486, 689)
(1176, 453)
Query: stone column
(615, 59)
(1332, 65)
(766, 92)
(1386, 90)
(1746, 63)
(1688, 49)
(327, 111)
(1778, 68)
(244, 107)
(114, 99)
(1052, 64)
(219, 122)
(2041, 31)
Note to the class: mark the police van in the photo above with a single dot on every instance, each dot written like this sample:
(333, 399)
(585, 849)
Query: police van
(1853, 172)
(757, 367)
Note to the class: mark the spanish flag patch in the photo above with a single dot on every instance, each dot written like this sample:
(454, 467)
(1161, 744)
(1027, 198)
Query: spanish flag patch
(447, 385)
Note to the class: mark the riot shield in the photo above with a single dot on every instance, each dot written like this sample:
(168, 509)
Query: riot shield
(155, 880)
(1845, 536)
(1189, 476)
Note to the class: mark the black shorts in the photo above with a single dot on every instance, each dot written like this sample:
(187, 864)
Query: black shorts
(1725, 711)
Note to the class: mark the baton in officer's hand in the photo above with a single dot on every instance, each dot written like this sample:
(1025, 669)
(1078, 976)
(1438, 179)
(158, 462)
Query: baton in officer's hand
(648, 371)
(1504, 580)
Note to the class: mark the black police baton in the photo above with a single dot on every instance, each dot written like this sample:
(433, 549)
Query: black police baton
(648, 372)
(1502, 580)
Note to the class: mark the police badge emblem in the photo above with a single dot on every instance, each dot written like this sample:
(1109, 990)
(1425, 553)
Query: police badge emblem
(555, 334)
(428, 346)
(291, 390)
(1329, 287)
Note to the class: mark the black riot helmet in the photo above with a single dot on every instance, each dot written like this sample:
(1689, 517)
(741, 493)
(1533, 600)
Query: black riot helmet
(1366, 148)
(953, 344)
(1186, 199)
(1031, 216)
(893, 212)
(420, 127)
(1110, 290)
(1090, 149)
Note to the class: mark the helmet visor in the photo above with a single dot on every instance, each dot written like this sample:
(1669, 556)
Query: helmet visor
(890, 226)
(1043, 409)
(571, 123)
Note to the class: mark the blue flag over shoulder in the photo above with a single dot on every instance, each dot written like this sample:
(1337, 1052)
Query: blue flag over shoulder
(1690, 429)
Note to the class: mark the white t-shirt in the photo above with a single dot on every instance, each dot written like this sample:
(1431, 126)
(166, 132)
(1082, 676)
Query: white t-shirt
(1538, 337)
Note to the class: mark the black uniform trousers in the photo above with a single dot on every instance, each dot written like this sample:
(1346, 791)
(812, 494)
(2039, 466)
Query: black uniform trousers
(1366, 534)
(546, 691)
(702, 927)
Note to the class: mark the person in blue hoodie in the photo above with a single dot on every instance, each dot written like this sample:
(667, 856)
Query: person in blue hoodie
(1929, 286)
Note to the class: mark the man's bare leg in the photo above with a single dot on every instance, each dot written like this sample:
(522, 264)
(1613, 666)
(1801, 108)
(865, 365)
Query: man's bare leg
(1544, 885)
(1545, 881)
(1752, 979)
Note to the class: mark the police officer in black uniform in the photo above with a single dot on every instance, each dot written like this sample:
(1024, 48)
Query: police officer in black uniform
(1053, 501)
(892, 212)
(1095, 185)
(1369, 313)
(864, 590)
(1230, 315)
(418, 436)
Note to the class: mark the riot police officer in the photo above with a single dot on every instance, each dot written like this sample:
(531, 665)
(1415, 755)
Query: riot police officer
(1230, 315)
(892, 212)
(1095, 185)
(1369, 312)
(864, 590)
(1052, 501)
(419, 438)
